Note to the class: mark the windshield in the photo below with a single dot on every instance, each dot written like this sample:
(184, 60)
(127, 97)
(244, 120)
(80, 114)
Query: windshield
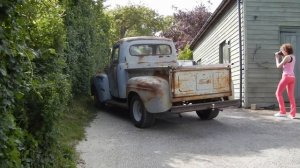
(150, 49)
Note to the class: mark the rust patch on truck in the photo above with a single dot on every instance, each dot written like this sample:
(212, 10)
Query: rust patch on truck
(222, 83)
(161, 73)
(204, 81)
(152, 88)
(141, 59)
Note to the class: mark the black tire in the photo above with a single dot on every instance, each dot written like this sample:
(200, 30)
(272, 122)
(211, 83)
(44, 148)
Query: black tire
(208, 114)
(97, 102)
(138, 113)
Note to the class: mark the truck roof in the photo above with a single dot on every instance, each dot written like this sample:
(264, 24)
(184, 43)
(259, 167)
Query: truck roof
(127, 39)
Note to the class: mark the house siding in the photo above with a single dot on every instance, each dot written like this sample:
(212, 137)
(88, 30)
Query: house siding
(226, 29)
(264, 19)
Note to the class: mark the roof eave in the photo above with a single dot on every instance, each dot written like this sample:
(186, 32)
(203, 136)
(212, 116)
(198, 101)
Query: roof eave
(211, 21)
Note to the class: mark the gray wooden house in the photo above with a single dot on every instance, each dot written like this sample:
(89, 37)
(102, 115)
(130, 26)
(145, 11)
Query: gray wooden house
(246, 34)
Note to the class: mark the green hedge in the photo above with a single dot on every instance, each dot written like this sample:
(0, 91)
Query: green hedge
(48, 52)
(87, 42)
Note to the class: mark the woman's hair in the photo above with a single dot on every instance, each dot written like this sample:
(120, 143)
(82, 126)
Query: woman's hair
(288, 48)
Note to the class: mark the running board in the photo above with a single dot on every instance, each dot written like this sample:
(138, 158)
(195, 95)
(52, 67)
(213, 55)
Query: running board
(116, 103)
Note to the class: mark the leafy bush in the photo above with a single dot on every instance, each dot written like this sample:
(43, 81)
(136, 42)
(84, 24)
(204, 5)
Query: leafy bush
(186, 53)
(34, 88)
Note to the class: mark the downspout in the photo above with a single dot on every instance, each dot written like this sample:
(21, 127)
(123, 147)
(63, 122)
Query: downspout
(240, 47)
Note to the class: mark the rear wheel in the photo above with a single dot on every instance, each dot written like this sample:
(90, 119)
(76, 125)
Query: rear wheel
(138, 113)
(208, 114)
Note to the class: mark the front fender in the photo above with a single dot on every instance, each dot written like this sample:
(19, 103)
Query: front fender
(153, 91)
(101, 87)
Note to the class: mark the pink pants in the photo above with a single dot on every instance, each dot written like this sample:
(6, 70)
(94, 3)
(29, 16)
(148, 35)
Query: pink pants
(287, 82)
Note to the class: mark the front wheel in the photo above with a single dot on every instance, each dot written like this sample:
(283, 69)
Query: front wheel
(97, 102)
(208, 114)
(139, 115)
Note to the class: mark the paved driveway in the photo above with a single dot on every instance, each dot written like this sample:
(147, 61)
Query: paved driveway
(236, 138)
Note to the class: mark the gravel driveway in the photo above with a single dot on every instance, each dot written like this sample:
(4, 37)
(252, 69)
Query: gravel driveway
(236, 138)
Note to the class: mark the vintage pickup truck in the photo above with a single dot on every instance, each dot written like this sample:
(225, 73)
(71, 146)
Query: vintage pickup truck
(145, 76)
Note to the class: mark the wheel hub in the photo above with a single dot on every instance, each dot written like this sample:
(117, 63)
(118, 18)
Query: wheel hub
(137, 110)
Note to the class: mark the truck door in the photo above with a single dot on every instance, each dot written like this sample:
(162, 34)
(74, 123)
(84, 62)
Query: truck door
(112, 72)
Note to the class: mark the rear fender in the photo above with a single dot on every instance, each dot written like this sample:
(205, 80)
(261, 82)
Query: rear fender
(153, 91)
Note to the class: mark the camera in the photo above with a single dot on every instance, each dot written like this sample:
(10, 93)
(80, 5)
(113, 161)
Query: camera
(279, 53)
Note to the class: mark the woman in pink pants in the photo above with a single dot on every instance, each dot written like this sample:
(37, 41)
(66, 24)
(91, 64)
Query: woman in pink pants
(287, 81)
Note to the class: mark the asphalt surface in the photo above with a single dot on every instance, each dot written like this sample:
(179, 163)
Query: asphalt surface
(236, 138)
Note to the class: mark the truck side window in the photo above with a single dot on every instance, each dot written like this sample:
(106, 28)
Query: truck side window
(115, 55)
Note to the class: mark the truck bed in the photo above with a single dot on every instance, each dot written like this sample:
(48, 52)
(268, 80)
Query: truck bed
(200, 82)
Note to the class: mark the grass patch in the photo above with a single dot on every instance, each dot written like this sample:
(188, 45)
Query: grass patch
(79, 114)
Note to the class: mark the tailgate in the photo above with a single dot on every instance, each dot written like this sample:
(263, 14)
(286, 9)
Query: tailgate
(195, 83)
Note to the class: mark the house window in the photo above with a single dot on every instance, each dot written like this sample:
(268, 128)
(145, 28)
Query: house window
(224, 52)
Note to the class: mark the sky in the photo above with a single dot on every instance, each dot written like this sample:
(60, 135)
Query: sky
(164, 7)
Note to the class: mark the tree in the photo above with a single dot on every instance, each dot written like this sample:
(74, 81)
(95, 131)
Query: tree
(134, 20)
(186, 25)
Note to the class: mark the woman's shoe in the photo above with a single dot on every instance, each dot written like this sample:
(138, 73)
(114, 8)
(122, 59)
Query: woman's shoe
(280, 115)
(291, 117)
